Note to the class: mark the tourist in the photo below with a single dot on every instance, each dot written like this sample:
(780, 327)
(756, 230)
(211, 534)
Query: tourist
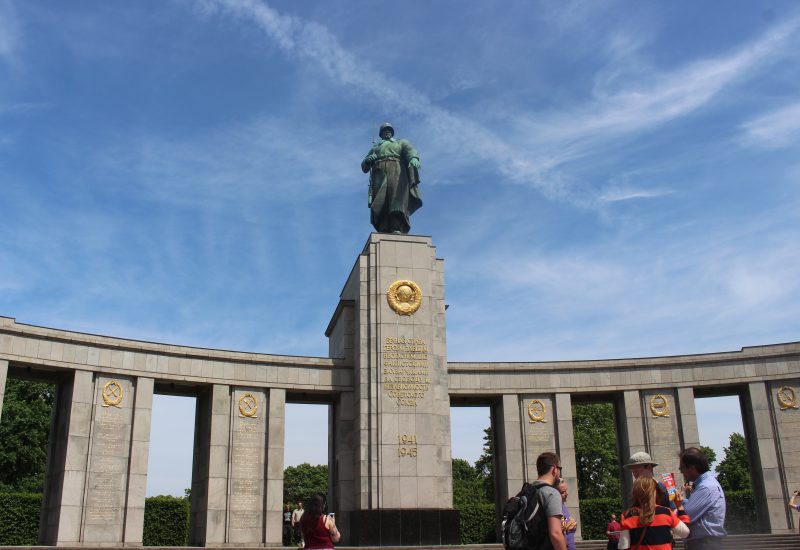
(612, 532)
(319, 529)
(568, 523)
(794, 505)
(705, 501)
(548, 468)
(297, 514)
(651, 525)
(640, 464)
(287, 525)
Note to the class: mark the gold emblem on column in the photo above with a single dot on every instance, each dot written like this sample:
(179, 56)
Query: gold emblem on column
(787, 398)
(404, 297)
(659, 406)
(536, 411)
(112, 394)
(248, 406)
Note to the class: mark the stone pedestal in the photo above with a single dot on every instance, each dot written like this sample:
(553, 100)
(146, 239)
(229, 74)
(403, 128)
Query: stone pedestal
(398, 486)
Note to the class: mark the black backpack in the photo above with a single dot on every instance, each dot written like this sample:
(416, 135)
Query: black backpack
(524, 522)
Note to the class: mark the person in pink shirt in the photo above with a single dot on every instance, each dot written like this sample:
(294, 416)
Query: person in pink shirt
(612, 532)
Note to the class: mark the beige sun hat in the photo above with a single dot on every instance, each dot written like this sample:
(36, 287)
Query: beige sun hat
(640, 459)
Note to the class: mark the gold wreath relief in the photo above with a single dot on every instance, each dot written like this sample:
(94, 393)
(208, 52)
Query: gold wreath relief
(787, 398)
(659, 406)
(536, 411)
(248, 405)
(404, 297)
(112, 394)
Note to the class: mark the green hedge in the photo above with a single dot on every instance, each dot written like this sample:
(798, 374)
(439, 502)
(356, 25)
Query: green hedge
(740, 518)
(166, 521)
(595, 515)
(19, 518)
(476, 523)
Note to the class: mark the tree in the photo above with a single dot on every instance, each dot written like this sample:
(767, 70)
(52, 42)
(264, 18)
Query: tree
(595, 434)
(463, 470)
(303, 480)
(24, 429)
(710, 454)
(733, 473)
(468, 486)
(484, 466)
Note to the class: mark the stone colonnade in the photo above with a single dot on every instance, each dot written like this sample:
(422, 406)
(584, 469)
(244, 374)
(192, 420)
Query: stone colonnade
(390, 386)
(100, 435)
(654, 402)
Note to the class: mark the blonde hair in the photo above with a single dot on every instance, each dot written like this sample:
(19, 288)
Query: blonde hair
(644, 498)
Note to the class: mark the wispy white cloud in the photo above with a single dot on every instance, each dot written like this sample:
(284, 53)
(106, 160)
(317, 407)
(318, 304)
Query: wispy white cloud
(696, 288)
(619, 193)
(10, 35)
(661, 97)
(545, 143)
(773, 130)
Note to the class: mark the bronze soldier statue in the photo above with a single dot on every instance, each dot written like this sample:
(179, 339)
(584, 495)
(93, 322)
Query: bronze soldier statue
(394, 176)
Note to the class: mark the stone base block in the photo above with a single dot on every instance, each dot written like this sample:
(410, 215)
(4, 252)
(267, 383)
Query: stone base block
(406, 527)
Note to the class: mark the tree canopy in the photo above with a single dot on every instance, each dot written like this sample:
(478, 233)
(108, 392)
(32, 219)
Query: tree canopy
(24, 429)
(595, 434)
(733, 472)
(303, 480)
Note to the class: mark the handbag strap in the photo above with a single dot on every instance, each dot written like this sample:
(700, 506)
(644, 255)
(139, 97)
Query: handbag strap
(641, 537)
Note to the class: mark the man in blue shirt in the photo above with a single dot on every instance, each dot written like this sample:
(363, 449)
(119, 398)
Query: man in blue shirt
(704, 503)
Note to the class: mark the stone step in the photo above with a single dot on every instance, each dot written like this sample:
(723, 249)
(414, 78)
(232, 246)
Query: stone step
(732, 542)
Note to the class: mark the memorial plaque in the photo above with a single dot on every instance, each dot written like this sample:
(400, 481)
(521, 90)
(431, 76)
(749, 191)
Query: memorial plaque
(246, 488)
(108, 461)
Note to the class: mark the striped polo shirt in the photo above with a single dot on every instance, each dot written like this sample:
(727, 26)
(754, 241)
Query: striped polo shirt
(659, 533)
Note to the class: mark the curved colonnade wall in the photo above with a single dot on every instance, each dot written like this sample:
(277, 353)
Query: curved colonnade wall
(99, 448)
(390, 390)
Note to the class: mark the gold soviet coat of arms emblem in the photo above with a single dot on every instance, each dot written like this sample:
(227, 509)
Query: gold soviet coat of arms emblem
(404, 297)
(112, 394)
(536, 411)
(248, 406)
(787, 399)
(659, 406)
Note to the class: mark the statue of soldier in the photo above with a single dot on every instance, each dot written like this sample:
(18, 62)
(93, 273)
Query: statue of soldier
(394, 175)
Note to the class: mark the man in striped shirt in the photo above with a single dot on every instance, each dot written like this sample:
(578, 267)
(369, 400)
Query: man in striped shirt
(704, 503)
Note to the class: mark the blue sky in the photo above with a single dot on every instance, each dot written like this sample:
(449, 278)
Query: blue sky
(602, 178)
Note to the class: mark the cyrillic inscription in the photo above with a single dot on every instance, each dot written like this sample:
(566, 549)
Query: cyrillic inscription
(405, 369)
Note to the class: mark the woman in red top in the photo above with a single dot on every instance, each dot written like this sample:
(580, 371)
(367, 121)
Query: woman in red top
(650, 525)
(319, 530)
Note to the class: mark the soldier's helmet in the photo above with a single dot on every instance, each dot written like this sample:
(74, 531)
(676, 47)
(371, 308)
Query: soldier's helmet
(384, 126)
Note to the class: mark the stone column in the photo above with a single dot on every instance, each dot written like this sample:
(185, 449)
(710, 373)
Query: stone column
(786, 420)
(509, 454)
(631, 435)
(687, 417)
(3, 377)
(67, 462)
(537, 429)
(137, 469)
(209, 502)
(217, 480)
(402, 475)
(247, 469)
(275, 452)
(566, 451)
(662, 430)
(768, 488)
(344, 466)
(109, 455)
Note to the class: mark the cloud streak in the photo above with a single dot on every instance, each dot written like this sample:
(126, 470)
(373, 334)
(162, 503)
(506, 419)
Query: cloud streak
(545, 144)
(774, 130)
